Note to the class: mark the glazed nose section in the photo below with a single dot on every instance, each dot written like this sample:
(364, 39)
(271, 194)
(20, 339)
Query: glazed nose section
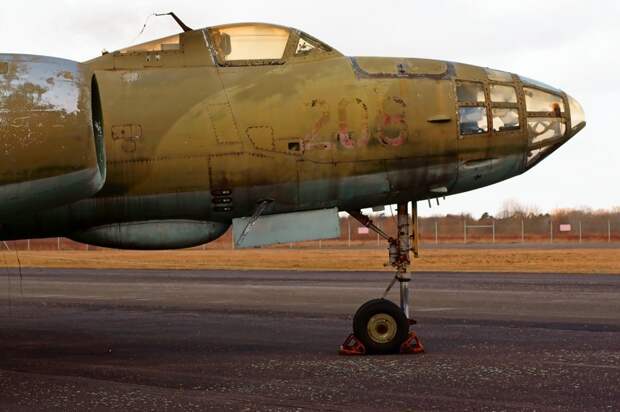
(553, 117)
(577, 116)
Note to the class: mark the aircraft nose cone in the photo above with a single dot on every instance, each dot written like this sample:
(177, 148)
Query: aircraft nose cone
(577, 116)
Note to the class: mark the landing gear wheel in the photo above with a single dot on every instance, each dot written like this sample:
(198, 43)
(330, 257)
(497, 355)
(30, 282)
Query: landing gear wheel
(381, 326)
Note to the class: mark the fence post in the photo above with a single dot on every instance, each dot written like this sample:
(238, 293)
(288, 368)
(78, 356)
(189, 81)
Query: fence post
(465, 232)
(436, 233)
(58, 243)
(609, 231)
(493, 231)
(349, 240)
(28, 244)
(551, 231)
(522, 231)
(580, 232)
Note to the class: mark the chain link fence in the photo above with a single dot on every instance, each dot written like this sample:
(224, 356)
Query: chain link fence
(572, 229)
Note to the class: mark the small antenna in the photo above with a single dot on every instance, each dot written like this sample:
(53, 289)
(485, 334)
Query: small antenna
(184, 26)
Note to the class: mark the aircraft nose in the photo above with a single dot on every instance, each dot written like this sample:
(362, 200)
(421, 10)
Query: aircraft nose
(577, 116)
(553, 117)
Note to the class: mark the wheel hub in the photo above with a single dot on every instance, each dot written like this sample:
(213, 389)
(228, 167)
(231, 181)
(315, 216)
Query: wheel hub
(382, 328)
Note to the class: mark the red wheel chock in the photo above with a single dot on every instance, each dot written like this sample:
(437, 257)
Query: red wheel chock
(353, 347)
(412, 344)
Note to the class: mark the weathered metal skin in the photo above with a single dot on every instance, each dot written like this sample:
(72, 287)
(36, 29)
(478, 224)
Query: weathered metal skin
(48, 149)
(188, 137)
(152, 234)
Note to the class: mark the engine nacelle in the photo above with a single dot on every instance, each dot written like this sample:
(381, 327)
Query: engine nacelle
(152, 234)
(51, 134)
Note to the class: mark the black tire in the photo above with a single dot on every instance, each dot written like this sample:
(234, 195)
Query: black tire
(388, 331)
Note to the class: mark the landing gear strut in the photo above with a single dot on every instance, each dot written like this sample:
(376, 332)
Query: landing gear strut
(380, 326)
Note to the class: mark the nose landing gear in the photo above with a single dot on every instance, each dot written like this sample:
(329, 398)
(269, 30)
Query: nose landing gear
(380, 326)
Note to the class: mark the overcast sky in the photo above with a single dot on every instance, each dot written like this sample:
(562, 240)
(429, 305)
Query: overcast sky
(572, 45)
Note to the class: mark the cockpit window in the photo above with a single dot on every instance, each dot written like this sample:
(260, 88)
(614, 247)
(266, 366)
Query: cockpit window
(250, 42)
(540, 101)
(304, 47)
(309, 45)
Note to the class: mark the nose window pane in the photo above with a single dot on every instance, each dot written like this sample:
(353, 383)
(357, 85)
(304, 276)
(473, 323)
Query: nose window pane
(534, 154)
(470, 92)
(503, 94)
(542, 129)
(498, 76)
(473, 120)
(505, 119)
(539, 101)
(577, 115)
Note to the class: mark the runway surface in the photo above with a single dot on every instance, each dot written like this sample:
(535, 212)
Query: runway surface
(260, 340)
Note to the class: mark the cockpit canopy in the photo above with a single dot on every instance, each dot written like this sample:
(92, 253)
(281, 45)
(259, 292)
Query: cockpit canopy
(256, 43)
(249, 42)
(245, 44)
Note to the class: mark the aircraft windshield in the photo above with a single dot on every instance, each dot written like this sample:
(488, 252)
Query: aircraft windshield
(250, 42)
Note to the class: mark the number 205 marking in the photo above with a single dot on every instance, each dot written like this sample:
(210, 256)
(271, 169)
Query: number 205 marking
(392, 129)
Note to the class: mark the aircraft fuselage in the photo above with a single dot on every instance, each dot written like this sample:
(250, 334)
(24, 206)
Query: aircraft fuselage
(190, 136)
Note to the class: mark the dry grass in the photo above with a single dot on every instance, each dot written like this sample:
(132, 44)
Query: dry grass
(486, 260)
